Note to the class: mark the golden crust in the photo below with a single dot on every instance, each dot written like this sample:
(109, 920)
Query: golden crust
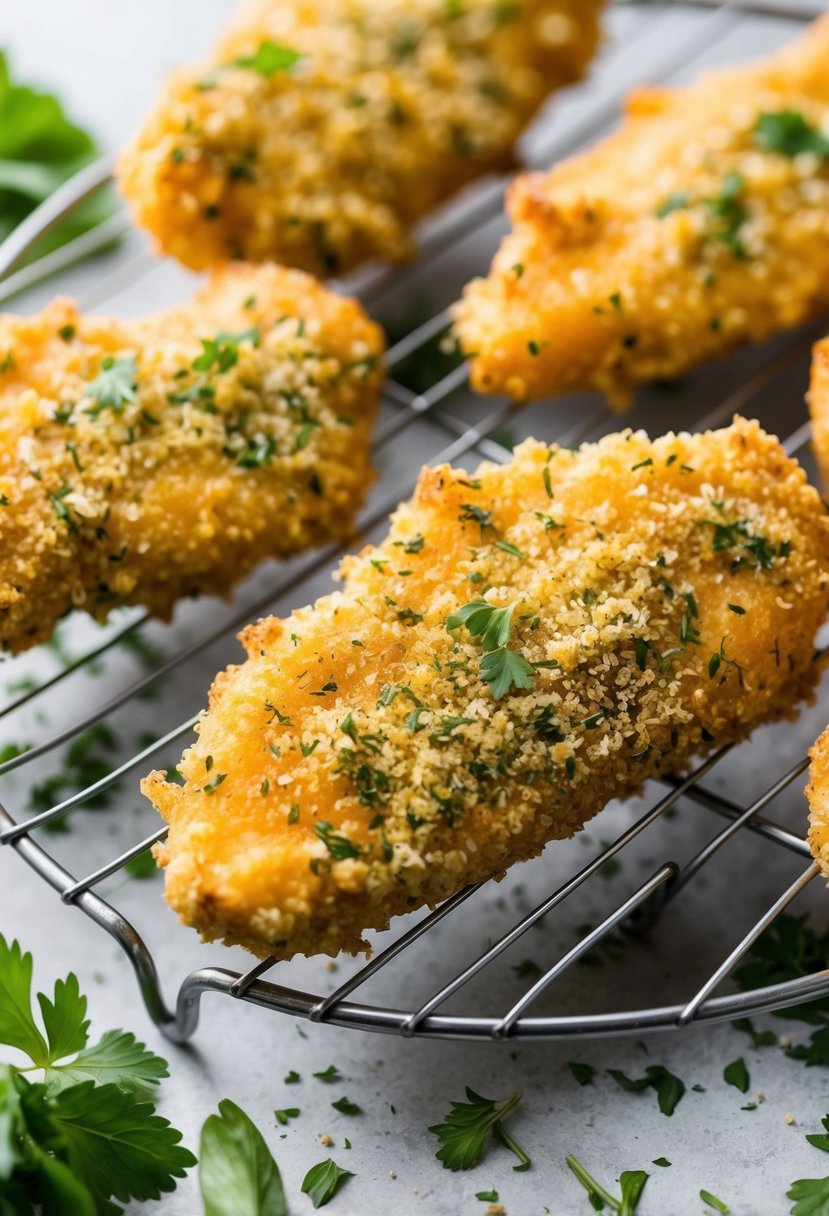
(819, 406)
(392, 108)
(673, 241)
(204, 472)
(817, 793)
(668, 593)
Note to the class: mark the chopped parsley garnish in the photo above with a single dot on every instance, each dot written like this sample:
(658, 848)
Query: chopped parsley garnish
(115, 385)
(501, 668)
(632, 1183)
(340, 847)
(669, 1089)
(292, 1078)
(329, 1075)
(464, 1131)
(584, 1073)
(679, 200)
(758, 552)
(713, 1202)
(323, 1180)
(506, 547)
(221, 353)
(286, 1114)
(728, 208)
(212, 786)
(789, 133)
(61, 509)
(346, 1107)
(736, 1074)
(269, 59)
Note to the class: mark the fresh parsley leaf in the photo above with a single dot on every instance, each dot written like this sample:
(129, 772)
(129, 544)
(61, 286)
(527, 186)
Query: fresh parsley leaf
(811, 1196)
(669, 1089)
(329, 1075)
(346, 1107)
(292, 1078)
(487, 1196)
(115, 385)
(116, 1144)
(118, 1059)
(237, 1173)
(821, 1139)
(503, 670)
(788, 132)
(661, 1161)
(340, 847)
(713, 1202)
(584, 1073)
(736, 1074)
(17, 1025)
(64, 1018)
(269, 59)
(323, 1180)
(464, 1130)
(490, 624)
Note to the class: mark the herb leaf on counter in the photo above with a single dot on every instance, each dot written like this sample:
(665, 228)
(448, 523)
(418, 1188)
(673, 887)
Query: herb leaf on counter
(322, 1182)
(463, 1132)
(631, 1182)
(237, 1172)
(736, 1074)
(82, 1136)
(713, 1202)
(669, 1089)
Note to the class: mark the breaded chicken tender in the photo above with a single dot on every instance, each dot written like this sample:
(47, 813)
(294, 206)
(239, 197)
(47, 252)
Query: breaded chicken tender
(702, 224)
(142, 461)
(319, 131)
(819, 406)
(525, 645)
(817, 794)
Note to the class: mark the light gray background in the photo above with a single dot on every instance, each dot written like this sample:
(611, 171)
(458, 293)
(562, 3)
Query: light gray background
(105, 59)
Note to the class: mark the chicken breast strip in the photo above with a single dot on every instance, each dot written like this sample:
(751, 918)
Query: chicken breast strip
(819, 406)
(703, 223)
(526, 644)
(142, 461)
(319, 131)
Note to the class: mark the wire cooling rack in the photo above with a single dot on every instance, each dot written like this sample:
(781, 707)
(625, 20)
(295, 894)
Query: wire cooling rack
(473, 429)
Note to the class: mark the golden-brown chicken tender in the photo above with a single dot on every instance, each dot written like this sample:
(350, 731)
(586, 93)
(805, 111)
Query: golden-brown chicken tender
(142, 461)
(319, 131)
(702, 224)
(819, 406)
(525, 645)
(817, 793)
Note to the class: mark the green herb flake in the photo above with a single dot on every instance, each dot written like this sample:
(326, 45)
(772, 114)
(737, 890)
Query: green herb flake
(269, 59)
(323, 1180)
(736, 1074)
(463, 1133)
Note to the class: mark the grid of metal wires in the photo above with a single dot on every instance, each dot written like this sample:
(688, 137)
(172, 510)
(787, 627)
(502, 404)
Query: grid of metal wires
(411, 408)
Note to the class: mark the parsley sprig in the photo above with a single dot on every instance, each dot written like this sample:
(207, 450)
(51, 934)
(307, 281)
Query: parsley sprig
(115, 385)
(632, 1183)
(811, 1195)
(789, 133)
(237, 1172)
(464, 1130)
(501, 668)
(82, 1133)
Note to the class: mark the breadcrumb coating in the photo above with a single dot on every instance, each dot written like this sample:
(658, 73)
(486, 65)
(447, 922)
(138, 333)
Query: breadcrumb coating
(325, 160)
(817, 794)
(142, 461)
(702, 224)
(525, 645)
(819, 406)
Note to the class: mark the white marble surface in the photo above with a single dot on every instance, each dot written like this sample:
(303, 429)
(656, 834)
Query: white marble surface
(105, 59)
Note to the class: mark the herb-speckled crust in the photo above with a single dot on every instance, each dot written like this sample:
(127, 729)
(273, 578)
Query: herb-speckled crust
(205, 473)
(819, 406)
(393, 107)
(817, 793)
(668, 592)
(594, 288)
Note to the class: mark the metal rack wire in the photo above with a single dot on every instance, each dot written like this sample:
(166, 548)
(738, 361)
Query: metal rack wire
(409, 409)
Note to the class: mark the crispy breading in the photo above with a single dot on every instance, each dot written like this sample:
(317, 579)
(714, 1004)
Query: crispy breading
(142, 461)
(362, 763)
(682, 236)
(328, 161)
(819, 406)
(817, 794)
